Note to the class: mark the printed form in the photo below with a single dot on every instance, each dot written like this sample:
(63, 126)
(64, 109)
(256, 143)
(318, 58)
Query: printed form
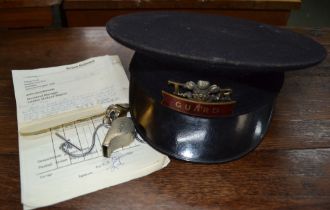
(48, 175)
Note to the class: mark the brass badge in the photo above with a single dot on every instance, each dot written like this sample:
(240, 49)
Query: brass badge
(199, 99)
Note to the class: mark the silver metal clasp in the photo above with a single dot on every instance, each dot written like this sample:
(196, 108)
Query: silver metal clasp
(114, 111)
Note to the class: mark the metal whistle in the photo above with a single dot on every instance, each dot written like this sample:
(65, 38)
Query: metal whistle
(121, 133)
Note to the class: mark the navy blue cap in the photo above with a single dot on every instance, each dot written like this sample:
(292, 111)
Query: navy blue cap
(202, 87)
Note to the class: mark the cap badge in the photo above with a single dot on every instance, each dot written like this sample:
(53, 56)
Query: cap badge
(199, 99)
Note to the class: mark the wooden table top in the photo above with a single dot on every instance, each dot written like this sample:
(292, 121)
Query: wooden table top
(289, 170)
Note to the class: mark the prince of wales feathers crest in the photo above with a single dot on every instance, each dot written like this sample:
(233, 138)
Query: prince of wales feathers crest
(199, 99)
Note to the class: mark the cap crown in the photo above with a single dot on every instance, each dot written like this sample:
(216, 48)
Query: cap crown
(215, 41)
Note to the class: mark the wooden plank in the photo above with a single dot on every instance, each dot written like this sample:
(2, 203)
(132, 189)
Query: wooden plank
(223, 4)
(100, 4)
(26, 17)
(27, 13)
(78, 18)
(97, 13)
(28, 3)
(10, 182)
(281, 179)
(172, 4)
(53, 47)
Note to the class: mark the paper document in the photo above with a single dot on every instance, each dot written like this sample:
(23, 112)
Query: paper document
(48, 175)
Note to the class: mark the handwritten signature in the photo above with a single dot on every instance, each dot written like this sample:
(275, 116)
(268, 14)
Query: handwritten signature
(116, 160)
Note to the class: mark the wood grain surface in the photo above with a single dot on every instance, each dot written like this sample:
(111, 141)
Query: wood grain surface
(27, 13)
(95, 17)
(5, 4)
(175, 4)
(97, 13)
(289, 170)
(26, 17)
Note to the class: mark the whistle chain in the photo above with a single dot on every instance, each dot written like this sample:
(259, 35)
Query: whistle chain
(111, 114)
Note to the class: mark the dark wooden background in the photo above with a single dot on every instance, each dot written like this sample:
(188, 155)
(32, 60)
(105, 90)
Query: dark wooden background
(97, 13)
(73, 13)
(289, 170)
